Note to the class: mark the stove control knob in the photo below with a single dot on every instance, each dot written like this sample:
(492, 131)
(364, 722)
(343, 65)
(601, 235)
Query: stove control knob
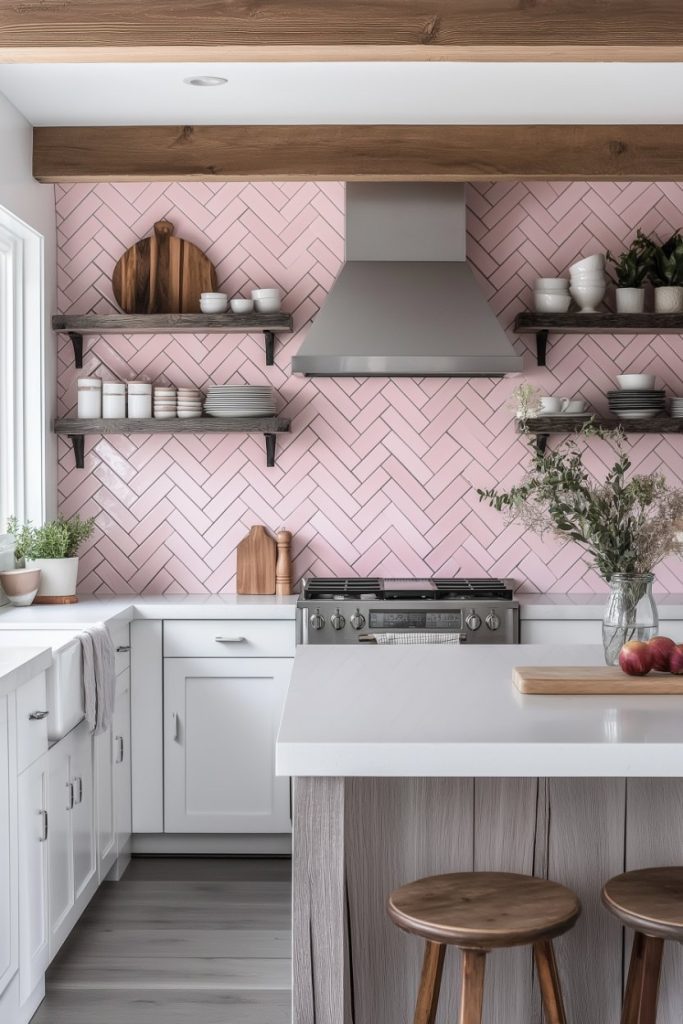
(337, 621)
(492, 620)
(357, 619)
(473, 621)
(317, 621)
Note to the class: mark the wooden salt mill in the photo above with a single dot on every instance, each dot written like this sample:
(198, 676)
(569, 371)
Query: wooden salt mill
(283, 565)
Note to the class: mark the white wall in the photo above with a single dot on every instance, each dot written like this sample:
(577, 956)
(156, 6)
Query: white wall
(35, 205)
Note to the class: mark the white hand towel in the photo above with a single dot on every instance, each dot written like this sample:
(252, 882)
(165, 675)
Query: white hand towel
(99, 677)
(417, 638)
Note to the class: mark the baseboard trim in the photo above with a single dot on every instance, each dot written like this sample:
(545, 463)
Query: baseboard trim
(211, 845)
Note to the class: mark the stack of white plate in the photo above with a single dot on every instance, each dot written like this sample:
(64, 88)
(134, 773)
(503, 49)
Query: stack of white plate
(165, 403)
(189, 403)
(677, 408)
(637, 405)
(239, 400)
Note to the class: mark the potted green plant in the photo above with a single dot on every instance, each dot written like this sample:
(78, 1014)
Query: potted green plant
(52, 548)
(631, 269)
(525, 400)
(627, 525)
(666, 274)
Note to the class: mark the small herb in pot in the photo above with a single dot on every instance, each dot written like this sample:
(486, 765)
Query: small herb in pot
(634, 264)
(60, 538)
(666, 269)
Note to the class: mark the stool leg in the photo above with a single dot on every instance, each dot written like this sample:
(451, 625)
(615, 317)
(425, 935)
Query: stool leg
(642, 987)
(472, 986)
(549, 982)
(430, 983)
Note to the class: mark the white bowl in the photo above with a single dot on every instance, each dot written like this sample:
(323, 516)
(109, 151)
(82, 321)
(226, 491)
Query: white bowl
(265, 293)
(241, 305)
(588, 296)
(213, 303)
(551, 284)
(551, 302)
(211, 295)
(595, 262)
(267, 305)
(636, 381)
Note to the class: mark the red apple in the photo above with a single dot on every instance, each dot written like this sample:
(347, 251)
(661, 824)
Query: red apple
(676, 660)
(635, 658)
(661, 647)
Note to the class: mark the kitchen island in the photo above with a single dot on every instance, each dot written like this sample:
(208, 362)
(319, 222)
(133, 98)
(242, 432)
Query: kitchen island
(418, 760)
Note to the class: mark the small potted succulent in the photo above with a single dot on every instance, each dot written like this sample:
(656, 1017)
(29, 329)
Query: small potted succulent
(52, 548)
(631, 269)
(666, 274)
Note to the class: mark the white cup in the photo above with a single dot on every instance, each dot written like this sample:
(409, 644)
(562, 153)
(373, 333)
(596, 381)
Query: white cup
(550, 404)
(574, 405)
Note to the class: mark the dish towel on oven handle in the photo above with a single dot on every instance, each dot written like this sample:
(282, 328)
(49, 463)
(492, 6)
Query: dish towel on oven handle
(417, 638)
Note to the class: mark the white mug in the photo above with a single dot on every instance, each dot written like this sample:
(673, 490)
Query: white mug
(574, 405)
(553, 405)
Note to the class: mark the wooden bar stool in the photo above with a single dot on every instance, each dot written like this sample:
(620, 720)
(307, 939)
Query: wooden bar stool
(651, 902)
(477, 912)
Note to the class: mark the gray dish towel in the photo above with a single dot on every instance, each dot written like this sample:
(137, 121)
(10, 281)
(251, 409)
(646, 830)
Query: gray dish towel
(417, 638)
(99, 677)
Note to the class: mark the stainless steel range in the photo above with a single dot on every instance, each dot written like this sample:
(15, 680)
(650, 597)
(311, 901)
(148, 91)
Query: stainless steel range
(351, 611)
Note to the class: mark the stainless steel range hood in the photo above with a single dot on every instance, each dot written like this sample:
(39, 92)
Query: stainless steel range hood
(406, 302)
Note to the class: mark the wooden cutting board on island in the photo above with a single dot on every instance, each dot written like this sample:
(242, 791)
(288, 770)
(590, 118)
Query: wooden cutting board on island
(564, 680)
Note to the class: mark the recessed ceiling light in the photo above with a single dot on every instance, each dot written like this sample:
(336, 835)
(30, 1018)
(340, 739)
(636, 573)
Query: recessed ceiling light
(205, 80)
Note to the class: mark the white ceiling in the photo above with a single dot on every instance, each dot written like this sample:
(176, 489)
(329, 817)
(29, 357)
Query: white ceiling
(343, 93)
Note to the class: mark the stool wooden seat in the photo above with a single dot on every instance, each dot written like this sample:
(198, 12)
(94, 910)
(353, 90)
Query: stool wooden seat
(651, 902)
(479, 912)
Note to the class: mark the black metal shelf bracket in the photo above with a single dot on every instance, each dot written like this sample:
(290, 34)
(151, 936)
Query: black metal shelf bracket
(542, 442)
(78, 442)
(270, 347)
(77, 342)
(270, 449)
(541, 347)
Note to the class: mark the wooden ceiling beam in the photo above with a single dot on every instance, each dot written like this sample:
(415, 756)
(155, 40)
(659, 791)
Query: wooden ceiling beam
(286, 30)
(359, 153)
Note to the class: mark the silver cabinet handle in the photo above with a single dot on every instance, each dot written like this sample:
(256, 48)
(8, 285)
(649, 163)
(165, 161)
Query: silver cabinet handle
(70, 787)
(230, 639)
(119, 749)
(37, 716)
(43, 834)
(123, 649)
(176, 727)
(78, 786)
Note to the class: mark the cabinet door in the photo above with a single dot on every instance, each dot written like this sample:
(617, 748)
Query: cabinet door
(33, 911)
(104, 776)
(8, 849)
(123, 813)
(83, 813)
(221, 722)
(60, 860)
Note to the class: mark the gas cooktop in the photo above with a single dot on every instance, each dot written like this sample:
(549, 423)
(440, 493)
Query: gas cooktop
(376, 589)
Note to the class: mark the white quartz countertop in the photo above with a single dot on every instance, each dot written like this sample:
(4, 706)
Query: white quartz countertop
(20, 664)
(550, 607)
(453, 711)
(122, 609)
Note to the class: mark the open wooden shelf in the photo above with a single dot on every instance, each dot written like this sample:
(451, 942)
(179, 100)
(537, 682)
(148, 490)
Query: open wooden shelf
(544, 426)
(543, 324)
(77, 326)
(269, 426)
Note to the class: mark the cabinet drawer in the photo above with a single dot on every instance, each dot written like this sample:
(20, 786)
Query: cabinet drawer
(229, 638)
(31, 731)
(120, 635)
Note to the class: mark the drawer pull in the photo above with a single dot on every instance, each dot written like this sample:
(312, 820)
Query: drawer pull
(37, 716)
(119, 749)
(176, 727)
(43, 834)
(123, 649)
(230, 639)
(78, 786)
(70, 787)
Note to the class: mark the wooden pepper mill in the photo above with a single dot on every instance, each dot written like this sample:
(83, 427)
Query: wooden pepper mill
(283, 565)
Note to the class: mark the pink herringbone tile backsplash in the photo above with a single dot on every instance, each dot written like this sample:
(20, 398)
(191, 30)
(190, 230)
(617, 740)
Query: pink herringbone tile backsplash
(378, 476)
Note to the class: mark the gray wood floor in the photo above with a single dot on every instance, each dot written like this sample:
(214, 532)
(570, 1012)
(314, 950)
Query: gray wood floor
(179, 940)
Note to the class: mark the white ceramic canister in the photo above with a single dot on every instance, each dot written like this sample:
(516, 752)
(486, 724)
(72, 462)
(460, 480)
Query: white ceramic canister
(113, 400)
(89, 398)
(139, 400)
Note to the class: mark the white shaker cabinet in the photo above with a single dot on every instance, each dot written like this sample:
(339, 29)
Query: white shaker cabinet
(9, 931)
(123, 810)
(106, 827)
(33, 877)
(221, 720)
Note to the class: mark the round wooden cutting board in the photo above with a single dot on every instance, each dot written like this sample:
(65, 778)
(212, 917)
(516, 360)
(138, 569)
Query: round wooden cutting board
(162, 274)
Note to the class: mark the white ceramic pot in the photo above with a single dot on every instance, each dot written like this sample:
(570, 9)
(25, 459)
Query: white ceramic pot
(57, 576)
(669, 299)
(588, 296)
(630, 300)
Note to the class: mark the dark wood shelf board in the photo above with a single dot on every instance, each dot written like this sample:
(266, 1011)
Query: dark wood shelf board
(605, 323)
(176, 323)
(543, 426)
(269, 426)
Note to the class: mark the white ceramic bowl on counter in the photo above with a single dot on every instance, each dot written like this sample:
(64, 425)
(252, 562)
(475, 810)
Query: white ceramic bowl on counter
(213, 302)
